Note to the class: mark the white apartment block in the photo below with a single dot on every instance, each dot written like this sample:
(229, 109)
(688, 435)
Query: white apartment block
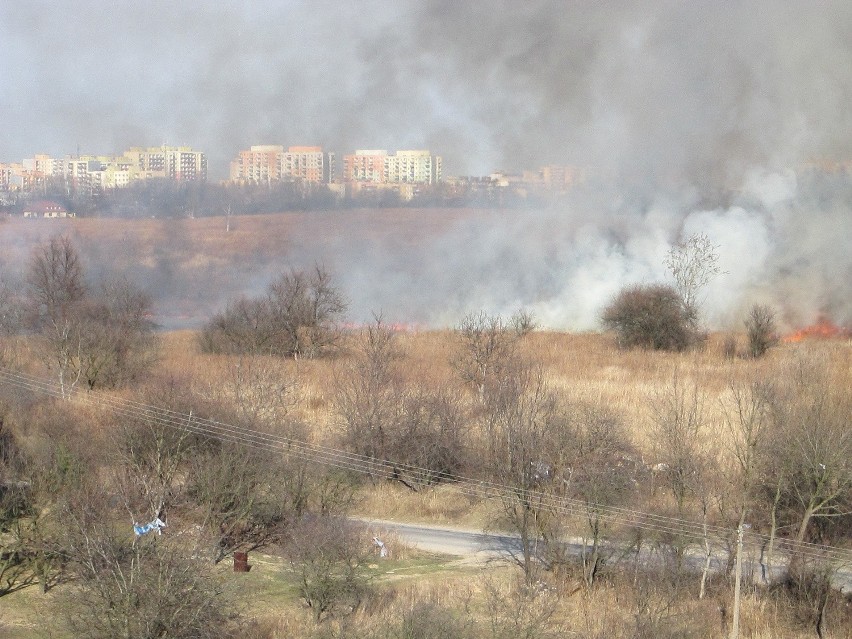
(404, 167)
(412, 167)
(176, 163)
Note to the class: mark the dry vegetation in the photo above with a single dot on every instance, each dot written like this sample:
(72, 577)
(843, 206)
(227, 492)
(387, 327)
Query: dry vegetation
(555, 396)
(584, 366)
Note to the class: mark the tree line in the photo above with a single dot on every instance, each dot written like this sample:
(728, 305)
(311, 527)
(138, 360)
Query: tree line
(161, 197)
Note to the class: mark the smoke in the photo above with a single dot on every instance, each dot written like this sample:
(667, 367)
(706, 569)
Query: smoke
(690, 117)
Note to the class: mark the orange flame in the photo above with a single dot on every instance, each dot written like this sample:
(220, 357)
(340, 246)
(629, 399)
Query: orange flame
(822, 329)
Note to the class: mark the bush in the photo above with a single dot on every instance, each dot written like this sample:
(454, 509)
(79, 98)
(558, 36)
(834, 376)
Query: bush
(328, 556)
(650, 316)
(297, 317)
(760, 327)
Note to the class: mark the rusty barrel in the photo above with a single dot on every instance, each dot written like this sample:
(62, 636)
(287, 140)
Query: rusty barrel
(241, 562)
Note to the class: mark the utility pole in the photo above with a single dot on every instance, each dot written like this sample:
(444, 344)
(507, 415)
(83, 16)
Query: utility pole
(735, 627)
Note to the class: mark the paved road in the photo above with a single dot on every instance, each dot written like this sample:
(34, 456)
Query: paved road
(448, 541)
(481, 546)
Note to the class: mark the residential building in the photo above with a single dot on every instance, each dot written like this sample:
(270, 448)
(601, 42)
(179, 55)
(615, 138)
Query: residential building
(46, 209)
(403, 167)
(265, 163)
(175, 163)
(259, 164)
(308, 163)
(365, 166)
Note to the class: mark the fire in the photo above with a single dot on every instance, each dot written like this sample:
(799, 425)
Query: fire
(822, 329)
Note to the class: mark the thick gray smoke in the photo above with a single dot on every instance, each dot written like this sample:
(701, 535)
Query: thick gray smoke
(691, 117)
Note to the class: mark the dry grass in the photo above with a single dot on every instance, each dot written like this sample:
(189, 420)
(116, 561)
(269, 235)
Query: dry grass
(585, 366)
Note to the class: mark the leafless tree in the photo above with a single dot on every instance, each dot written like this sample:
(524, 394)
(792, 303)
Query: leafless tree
(306, 307)
(117, 343)
(156, 444)
(10, 309)
(811, 461)
(525, 610)
(243, 327)
(693, 263)
(103, 338)
(524, 422)
(747, 415)
(760, 328)
(368, 392)
(260, 390)
(56, 289)
(329, 557)
(429, 437)
(248, 498)
(603, 472)
(486, 347)
(681, 447)
(298, 317)
(129, 588)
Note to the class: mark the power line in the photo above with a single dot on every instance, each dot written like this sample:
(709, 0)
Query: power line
(354, 462)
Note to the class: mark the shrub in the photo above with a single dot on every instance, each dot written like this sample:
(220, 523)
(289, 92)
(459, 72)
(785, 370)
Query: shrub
(297, 317)
(650, 316)
(760, 327)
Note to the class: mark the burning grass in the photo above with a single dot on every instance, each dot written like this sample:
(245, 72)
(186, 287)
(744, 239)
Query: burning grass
(823, 329)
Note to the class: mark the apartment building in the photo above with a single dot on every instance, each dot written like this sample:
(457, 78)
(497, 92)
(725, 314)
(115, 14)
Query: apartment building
(412, 167)
(365, 166)
(265, 163)
(308, 163)
(179, 163)
(403, 167)
(90, 173)
(259, 164)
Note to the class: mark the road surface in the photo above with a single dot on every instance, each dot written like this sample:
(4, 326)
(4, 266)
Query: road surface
(479, 546)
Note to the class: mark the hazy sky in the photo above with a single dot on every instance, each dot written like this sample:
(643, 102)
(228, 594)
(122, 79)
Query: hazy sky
(692, 117)
(689, 92)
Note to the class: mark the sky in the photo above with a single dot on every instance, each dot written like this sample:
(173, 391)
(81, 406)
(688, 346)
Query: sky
(690, 117)
(667, 88)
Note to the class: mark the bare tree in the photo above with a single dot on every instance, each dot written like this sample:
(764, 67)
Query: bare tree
(693, 263)
(523, 413)
(261, 390)
(329, 556)
(55, 280)
(760, 328)
(812, 459)
(682, 451)
(244, 327)
(516, 610)
(306, 307)
(56, 289)
(117, 343)
(149, 588)
(10, 311)
(103, 339)
(368, 392)
(429, 439)
(487, 346)
(747, 415)
(248, 498)
(602, 473)
(297, 317)
(155, 446)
